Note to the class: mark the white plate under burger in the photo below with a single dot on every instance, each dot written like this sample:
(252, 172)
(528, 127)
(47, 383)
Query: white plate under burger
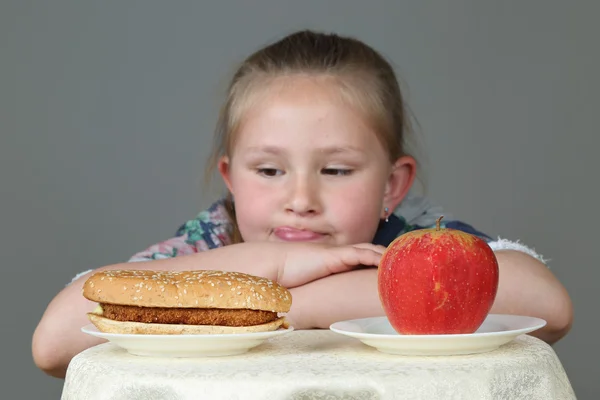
(118, 291)
(496, 330)
(184, 346)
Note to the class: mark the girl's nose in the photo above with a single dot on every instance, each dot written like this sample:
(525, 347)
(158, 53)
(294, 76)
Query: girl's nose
(304, 196)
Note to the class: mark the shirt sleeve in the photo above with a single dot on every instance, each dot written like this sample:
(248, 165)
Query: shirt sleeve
(420, 212)
(208, 230)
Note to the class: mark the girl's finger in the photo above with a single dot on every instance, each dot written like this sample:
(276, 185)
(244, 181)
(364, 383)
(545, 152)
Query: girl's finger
(375, 247)
(357, 255)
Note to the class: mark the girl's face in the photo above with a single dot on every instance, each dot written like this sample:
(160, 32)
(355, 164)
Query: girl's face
(307, 167)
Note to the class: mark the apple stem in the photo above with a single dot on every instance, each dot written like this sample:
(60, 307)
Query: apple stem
(437, 223)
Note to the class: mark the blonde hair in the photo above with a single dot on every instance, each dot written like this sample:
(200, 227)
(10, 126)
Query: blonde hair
(362, 75)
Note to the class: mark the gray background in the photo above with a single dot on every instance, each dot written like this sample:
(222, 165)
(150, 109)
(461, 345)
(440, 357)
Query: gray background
(107, 110)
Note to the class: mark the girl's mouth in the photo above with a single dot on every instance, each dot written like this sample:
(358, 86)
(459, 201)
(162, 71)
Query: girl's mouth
(289, 234)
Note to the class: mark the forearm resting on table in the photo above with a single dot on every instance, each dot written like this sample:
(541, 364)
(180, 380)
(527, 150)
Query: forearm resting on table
(338, 297)
(58, 338)
(526, 287)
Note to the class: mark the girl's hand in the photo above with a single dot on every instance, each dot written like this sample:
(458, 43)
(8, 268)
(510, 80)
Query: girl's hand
(306, 262)
(290, 264)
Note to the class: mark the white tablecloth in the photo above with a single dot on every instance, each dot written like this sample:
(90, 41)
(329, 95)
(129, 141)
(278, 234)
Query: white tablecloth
(321, 365)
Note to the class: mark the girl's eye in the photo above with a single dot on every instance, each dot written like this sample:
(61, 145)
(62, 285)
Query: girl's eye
(337, 171)
(269, 172)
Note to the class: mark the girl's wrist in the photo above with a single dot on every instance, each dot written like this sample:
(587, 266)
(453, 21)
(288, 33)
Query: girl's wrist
(259, 258)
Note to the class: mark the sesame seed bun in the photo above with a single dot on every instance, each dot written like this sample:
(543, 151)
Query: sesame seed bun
(128, 327)
(185, 302)
(187, 289)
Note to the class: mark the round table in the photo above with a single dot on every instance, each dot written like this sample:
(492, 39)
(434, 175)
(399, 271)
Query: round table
(320, 364)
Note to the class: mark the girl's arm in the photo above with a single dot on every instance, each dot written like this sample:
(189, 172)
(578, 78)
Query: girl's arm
(58, 338)
(526, 287)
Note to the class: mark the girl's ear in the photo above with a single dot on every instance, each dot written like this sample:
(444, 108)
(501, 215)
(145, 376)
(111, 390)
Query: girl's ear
(223, 166)
(400, 181)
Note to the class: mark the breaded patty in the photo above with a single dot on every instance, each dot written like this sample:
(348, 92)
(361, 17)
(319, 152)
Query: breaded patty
(188, 316)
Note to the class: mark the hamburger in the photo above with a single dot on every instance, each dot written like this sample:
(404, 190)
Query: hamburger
(185, 302)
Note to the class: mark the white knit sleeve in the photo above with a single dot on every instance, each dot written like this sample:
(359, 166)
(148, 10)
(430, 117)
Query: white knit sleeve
(505, 244)
(79, 275)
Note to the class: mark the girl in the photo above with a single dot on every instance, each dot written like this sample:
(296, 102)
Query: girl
(310, 144)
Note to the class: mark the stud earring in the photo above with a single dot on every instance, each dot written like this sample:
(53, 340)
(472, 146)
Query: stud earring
(387, 218)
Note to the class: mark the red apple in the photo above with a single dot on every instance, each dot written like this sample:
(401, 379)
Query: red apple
(437, 281)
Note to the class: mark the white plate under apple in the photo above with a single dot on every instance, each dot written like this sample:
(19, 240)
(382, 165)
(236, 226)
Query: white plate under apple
(496, 330)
